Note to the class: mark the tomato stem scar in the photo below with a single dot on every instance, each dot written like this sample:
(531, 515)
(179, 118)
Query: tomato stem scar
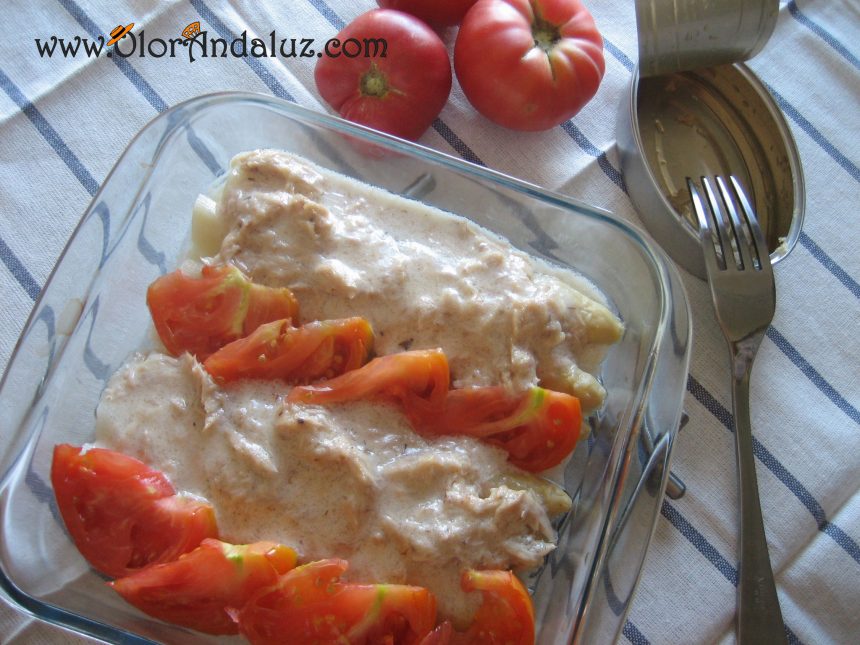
(373, 82)
(544, 33)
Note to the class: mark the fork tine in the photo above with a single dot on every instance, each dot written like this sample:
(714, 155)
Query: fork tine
(762, 252)
(745, 245)
(705, 230)
(704, 225)
(724, 232)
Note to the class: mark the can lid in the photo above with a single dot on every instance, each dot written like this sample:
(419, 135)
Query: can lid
(678, 35)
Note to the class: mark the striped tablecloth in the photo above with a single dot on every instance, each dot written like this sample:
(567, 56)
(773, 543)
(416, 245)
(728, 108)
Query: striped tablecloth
(64, 122)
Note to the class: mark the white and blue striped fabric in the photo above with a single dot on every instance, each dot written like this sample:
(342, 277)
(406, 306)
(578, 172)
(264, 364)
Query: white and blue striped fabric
(64, 122)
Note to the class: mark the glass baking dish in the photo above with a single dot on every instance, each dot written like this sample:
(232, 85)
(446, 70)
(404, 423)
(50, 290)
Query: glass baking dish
(92, 315)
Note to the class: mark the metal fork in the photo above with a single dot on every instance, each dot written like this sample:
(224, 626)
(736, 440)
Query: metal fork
(744, 295)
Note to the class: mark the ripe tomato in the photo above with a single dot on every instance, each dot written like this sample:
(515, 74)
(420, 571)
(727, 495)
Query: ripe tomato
(199, 315)
(442, 635)
(439, 13)
(402, 88)
(418, 379)
(538, 429)
(529, 64)
(200, 588)
(321, 349)
(506, 614)
(121, 514)
(312, 605)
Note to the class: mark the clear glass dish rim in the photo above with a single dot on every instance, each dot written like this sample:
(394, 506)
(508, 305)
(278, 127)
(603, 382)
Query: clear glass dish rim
(659, 263)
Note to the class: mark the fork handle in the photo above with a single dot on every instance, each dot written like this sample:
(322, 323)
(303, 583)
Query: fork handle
(759, 619)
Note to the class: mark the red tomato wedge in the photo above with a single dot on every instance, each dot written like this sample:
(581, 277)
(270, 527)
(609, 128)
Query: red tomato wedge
(418, 379)
(121, 514)
(312, 605)
(538, 428)
(506, 614)
(321, 349)
(197, 589)
(442, 635)
(200, 315)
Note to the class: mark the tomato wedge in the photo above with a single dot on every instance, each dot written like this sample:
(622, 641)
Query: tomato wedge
(200, 315)
(505, 617)
(538, 428)
(322, 349)
(312, 605)
(197, 589)
(418, 379)
(121, 514)
(442, 635)
(506, 614)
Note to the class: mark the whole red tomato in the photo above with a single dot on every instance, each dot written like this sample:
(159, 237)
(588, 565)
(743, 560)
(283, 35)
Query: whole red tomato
(402, 88)
(529, 64)
(439, 13)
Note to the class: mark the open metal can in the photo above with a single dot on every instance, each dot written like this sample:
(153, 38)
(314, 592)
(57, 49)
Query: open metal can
(678, 35)
(704, 113)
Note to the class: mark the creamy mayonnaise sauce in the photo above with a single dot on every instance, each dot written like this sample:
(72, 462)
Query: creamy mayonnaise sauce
(423, 278)
(353, 480)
